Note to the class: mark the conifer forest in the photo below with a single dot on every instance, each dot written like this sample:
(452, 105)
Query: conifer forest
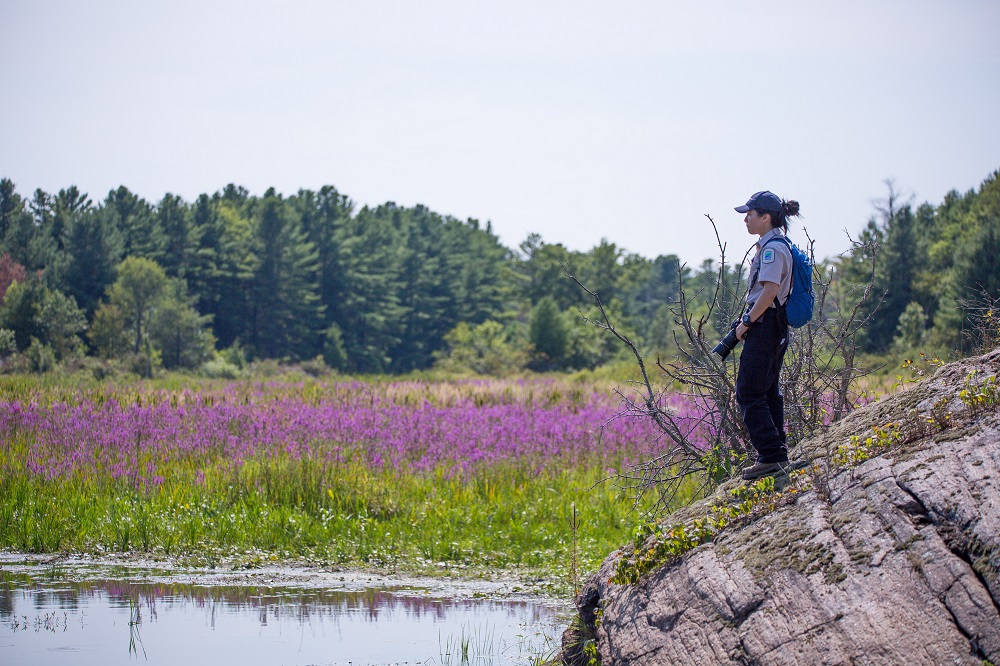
(233, 277)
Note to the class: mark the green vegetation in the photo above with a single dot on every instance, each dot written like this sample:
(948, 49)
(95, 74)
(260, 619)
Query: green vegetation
(978, 394)
(245, 474)
(655, 545)
(507, 518)
(935, 266)
(310, 278)
(858, 451)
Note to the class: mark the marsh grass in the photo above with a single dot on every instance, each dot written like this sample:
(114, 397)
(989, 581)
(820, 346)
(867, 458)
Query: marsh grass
(550, 514)
(134, 622)
(543, 512)
(481, 645)
(506, 516)
(471, 644)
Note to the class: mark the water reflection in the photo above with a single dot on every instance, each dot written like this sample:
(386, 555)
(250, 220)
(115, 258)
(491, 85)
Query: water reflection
(48, 617)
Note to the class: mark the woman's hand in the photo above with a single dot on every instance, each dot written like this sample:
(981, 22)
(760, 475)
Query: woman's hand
(741, 331)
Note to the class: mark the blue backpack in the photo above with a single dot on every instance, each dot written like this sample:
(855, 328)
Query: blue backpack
(801, 299)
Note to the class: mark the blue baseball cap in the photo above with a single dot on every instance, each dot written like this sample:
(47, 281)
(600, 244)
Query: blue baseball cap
(765, 200)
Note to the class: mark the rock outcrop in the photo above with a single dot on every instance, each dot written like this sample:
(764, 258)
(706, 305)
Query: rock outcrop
(895, 560)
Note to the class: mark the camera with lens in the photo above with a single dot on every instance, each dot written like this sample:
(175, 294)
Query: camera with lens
(728, 343)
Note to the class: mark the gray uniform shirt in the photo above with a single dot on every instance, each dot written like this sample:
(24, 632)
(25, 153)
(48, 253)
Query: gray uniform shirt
(775, 263)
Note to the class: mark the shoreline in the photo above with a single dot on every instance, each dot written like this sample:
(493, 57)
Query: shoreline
(297, 575)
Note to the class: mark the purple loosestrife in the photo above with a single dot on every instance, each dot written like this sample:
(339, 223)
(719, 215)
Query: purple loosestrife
(412, 427)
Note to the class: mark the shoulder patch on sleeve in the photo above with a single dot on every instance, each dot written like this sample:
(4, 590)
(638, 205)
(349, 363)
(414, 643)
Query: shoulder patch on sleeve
(768, 256)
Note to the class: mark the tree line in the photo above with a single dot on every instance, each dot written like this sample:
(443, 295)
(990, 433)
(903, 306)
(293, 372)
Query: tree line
(937, 275)
(232, 277)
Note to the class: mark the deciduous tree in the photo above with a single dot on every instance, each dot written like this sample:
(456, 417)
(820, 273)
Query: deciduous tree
(140, 285)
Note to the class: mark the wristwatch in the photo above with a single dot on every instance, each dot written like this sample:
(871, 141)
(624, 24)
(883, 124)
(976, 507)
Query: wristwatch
(747, 321)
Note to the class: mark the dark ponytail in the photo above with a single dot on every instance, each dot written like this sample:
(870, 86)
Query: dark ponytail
(788, 209)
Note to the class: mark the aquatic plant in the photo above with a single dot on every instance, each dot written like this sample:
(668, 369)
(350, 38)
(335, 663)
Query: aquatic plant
(439, 474)
(141, 436)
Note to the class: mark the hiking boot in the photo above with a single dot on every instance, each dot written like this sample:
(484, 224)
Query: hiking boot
(759, 469)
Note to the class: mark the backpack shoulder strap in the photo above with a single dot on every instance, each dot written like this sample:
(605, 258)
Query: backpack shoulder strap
(788, 244)
(756, 273)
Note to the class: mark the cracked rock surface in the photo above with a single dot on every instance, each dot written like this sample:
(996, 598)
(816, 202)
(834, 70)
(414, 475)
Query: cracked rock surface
(896, 560)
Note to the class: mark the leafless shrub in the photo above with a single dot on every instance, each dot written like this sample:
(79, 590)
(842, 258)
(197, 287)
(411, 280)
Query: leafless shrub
(983, 313)
(821, 369)
(709, 443)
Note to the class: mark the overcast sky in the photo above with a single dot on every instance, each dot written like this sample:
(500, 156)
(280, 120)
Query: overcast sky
(576, 120)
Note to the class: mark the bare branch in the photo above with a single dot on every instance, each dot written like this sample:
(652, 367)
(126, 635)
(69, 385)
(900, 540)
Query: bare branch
(706, 439)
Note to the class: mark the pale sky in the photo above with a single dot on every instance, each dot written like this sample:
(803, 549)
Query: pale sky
(576, 120)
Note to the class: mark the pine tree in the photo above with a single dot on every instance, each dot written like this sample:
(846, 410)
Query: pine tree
(69, 204)
(142, 235)
(370, 315)
(94, 248)
(288, 316)
(323, 215)
(231, 284)
(894, 278)
(174, 222)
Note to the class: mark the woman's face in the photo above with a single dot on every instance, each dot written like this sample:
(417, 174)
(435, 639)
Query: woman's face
(757, 224)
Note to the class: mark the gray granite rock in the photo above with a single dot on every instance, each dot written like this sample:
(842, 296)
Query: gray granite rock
(894, 561)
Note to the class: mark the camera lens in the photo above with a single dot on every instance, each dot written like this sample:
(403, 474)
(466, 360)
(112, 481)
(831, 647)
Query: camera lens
(727, 345)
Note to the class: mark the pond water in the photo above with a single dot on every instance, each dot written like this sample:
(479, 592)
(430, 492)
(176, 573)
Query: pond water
(86, 614)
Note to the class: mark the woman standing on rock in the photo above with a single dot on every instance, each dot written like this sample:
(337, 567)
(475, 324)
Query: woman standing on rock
(764, 331)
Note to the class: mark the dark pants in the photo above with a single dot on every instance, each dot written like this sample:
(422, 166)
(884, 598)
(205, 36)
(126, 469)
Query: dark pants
(757, 391)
